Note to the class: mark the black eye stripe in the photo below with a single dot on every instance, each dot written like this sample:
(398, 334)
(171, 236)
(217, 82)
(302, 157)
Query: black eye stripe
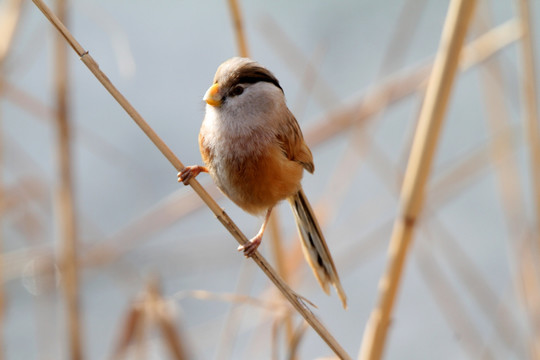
(256, 77)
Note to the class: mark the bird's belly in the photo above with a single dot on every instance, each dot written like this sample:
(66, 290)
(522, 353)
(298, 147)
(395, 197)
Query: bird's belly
(256, 182)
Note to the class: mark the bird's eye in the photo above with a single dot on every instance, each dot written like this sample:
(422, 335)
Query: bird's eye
(237, 90)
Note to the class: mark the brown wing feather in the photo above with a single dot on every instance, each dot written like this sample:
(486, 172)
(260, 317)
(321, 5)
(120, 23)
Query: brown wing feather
(292, 142)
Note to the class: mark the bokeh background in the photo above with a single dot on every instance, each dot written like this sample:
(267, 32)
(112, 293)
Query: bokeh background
(471, 281)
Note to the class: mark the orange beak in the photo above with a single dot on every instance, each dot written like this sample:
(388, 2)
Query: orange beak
(212, 96)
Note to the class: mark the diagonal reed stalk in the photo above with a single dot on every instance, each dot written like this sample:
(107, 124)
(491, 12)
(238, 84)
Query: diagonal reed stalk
(418, 168)
(281, 257)
(222, 216)
(64, 196)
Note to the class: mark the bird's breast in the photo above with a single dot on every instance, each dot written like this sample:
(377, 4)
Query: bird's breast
(250, 168)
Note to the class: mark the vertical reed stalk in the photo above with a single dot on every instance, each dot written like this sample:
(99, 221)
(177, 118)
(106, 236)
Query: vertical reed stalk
(532, 131)
(221, 215)
(9, 18)
(64, 197)
(2, 208)
(280, 259)
(418, 168)
(530, 97)
(238, 28)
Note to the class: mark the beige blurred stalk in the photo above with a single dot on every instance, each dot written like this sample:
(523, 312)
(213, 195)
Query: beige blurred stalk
(10, 12)
(64, 202)
(418, 169)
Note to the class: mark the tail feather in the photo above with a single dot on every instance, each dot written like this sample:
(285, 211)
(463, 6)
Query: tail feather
(314, 246)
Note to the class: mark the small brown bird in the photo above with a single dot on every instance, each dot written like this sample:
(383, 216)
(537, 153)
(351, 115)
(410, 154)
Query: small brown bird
(255, 152)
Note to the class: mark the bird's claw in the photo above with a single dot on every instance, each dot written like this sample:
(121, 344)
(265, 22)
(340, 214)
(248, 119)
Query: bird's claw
(188, 173)
(251, 246)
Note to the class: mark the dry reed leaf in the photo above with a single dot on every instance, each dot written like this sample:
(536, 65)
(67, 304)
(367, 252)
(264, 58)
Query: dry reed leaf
(278, 306)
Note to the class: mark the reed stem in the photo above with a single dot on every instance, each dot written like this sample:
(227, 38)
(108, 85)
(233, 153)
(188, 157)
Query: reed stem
(418, 168)
(532, 133)
(530, 98)
(239, 28)
(9, 18)
(64, 197)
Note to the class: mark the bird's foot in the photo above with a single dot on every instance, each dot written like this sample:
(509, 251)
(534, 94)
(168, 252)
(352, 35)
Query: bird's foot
(251, 246)
(190, 172)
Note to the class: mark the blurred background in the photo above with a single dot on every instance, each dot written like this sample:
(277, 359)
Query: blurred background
(158, 271)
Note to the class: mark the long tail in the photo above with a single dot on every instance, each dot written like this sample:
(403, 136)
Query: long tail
(314, 246)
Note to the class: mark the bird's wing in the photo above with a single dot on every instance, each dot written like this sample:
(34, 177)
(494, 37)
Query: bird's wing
(292, 143)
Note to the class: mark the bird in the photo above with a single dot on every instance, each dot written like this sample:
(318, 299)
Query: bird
(254, 150)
